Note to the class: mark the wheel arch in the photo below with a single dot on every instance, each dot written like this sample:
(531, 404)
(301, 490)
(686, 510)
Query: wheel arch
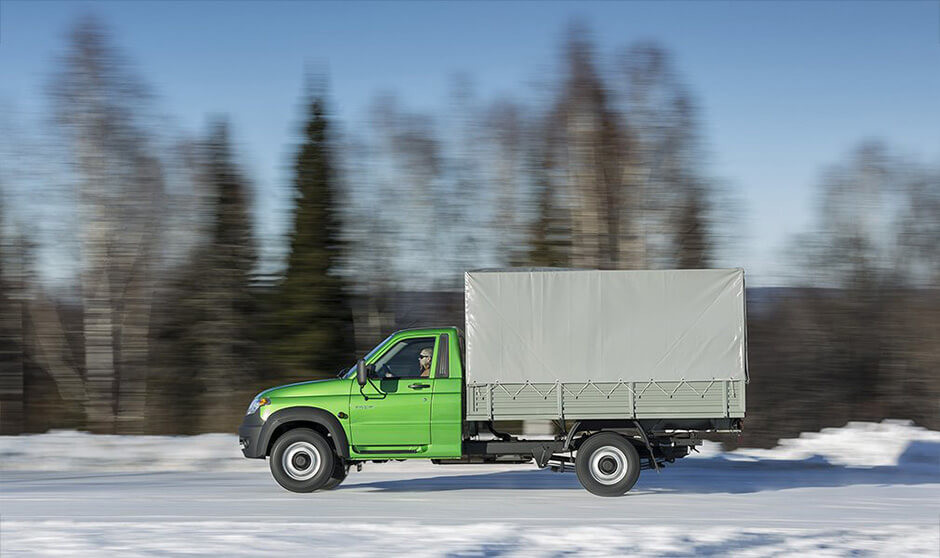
(580, 434)
(315, 418)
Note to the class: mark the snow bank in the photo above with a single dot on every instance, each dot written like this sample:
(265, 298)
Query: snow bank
(230, 538)
(890, 443)
(80, 451)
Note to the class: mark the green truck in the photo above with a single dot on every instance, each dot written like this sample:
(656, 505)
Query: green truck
(629, 366)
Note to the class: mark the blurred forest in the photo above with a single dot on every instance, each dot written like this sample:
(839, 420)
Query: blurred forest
(168, 321)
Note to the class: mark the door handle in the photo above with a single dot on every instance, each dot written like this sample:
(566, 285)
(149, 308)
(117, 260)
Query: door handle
(419, 386)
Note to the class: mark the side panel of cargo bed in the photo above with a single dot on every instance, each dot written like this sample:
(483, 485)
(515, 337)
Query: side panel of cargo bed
(697, 399)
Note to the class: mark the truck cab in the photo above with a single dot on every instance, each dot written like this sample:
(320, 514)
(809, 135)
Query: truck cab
(406, 409)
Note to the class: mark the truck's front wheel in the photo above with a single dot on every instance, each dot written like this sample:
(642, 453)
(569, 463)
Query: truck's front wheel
(339, 475)
(302, 460)
(607, 464)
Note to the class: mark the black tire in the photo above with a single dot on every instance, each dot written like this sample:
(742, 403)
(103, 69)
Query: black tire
(607, 464)
(339, 475)
(302, 460)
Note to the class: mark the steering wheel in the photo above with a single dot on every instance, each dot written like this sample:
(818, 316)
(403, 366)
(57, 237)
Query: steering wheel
(386, 372)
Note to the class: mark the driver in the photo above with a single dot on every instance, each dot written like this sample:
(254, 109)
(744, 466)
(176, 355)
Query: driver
(424, 362)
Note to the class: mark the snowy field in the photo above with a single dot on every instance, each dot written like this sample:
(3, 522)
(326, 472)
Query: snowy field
(866, 489)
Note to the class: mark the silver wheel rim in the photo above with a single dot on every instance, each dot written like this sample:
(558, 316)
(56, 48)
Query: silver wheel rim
(301, 461)
(608, 465)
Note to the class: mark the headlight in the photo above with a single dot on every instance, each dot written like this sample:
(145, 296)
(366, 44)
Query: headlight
(257, 403)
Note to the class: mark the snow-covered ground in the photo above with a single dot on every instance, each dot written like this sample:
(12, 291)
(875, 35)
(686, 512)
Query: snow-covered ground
(478, 539)
(862, 489)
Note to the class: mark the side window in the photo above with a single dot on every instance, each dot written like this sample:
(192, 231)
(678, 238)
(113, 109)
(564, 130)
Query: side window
(409, 358)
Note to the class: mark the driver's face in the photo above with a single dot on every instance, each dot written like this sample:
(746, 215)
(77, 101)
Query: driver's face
(424, 359)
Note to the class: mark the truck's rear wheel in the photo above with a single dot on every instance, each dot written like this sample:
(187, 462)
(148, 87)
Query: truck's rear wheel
(302, 460)
(607, 464)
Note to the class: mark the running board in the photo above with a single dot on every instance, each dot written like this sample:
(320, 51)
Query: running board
(391, 451)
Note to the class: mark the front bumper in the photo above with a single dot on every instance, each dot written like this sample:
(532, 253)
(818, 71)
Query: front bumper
(249, 436)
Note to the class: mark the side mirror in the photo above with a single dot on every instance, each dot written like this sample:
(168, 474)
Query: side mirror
(361, 373)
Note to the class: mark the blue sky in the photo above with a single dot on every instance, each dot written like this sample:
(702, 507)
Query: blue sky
(784, 88)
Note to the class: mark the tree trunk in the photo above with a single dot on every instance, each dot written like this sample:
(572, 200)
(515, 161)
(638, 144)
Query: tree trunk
(99, 353)
(11, 367)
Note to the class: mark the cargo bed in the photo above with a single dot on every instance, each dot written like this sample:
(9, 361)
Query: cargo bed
(695, 399)
(581, 345)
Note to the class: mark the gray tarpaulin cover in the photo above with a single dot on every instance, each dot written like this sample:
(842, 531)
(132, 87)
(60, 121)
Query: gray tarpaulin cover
(575, 326)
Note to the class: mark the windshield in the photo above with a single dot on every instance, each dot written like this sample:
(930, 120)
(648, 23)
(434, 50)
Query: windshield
(352, 370)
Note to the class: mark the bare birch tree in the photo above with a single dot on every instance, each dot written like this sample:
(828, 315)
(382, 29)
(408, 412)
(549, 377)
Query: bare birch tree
(591, 148)
(97, 102)
(669, 194)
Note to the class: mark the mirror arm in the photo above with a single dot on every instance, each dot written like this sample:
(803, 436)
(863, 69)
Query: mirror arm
(371, 383)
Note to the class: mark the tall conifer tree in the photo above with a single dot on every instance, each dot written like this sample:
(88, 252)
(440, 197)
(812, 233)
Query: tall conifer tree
(314, 321)
(549, 235)
(224, 304)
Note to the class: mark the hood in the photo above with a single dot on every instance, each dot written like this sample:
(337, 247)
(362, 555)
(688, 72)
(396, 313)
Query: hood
(332, 386)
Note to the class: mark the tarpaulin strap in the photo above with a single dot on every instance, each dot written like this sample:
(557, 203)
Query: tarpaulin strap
(565, 388)
(624, 384)
(617, 385)
(693, 389)
(647, 386)
(536, 390)
(591, 384)
(597, 389)
(660, 388)
(523, 388)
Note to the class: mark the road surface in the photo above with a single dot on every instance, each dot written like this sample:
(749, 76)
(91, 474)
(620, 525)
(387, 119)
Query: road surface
(704, 506)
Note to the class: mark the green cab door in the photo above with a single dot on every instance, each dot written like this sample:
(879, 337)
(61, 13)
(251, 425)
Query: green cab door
(392, 414)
